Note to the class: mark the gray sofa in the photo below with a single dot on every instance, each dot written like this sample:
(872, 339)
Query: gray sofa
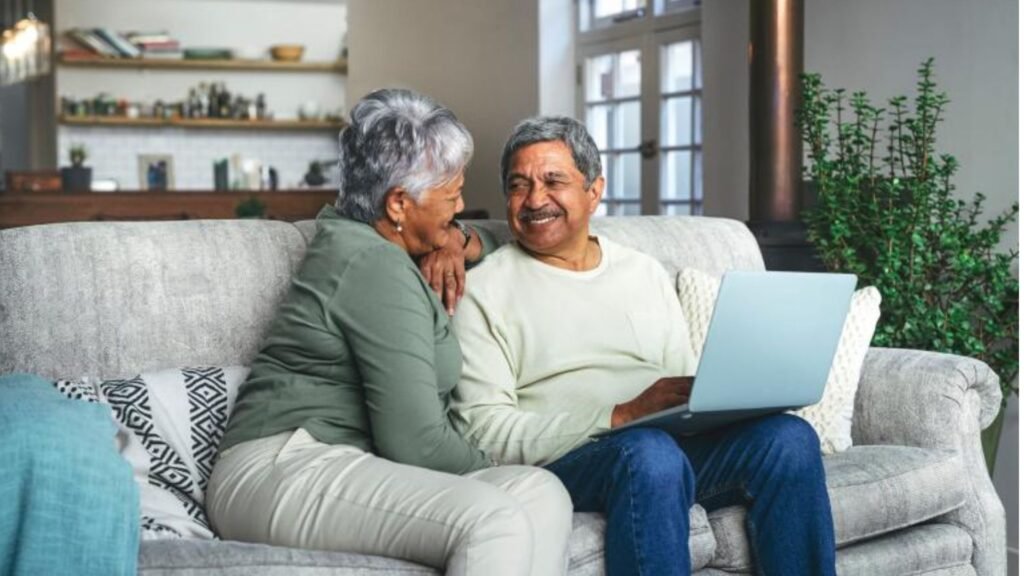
(113, 299)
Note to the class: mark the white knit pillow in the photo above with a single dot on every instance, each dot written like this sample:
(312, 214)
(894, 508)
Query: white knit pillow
(832, 418)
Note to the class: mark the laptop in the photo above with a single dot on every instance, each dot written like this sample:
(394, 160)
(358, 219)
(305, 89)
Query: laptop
(769, 349)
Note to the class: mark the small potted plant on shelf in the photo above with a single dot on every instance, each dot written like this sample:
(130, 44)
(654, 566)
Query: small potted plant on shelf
(77, 177)
(251, 208)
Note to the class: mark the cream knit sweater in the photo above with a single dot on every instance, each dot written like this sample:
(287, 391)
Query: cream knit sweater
(547, 352)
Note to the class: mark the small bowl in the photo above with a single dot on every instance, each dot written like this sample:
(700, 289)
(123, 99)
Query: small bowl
(287, 52)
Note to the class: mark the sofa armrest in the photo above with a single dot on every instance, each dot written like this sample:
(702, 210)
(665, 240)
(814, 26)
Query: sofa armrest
(939, 401)
(925, 399)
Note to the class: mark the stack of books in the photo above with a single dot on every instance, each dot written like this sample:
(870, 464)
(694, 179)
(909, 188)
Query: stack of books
(156, 44)
(105, 43)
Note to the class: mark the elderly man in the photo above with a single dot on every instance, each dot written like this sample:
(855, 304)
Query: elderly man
(565, 334)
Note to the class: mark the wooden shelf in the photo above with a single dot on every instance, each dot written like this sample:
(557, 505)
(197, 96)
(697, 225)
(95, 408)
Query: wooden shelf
(26, 209)
(337, 66)
(221, 123)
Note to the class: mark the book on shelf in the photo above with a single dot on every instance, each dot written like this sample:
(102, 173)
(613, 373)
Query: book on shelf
(163, 54)
(159, 46)
(92, 41)
(72, 49)
(118, 42)
(139, 38)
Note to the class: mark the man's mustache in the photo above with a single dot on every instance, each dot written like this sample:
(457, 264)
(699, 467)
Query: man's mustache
(528, 215)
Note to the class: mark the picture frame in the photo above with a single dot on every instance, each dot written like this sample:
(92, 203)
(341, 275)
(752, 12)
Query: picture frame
(156, 171)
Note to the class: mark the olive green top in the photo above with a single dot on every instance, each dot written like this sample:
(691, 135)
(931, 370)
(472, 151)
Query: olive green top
(361, 352)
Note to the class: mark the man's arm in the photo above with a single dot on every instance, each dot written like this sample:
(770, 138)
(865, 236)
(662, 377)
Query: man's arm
(486, 406)
(662, 395)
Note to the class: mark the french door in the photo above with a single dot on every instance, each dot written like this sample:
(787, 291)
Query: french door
(640, 97)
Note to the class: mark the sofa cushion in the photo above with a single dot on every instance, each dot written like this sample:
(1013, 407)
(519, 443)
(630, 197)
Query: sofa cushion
(832, 417)
(877, 489)
(931, 549)
(873, 490)
(193, 557)
(169, 424)
(114, 298)
(586, 546)
(713, 245)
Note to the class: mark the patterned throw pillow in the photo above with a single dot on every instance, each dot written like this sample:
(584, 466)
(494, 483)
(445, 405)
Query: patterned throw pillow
(170, 423)
(832, 418)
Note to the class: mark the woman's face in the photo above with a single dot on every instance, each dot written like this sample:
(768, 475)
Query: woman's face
(427, 222)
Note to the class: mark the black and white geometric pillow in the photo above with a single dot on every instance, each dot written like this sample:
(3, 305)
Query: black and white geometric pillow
(170, 423)
(76, 390)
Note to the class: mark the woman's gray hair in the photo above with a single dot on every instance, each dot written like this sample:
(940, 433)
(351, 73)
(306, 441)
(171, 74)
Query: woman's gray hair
(548, 129)
(397, 138)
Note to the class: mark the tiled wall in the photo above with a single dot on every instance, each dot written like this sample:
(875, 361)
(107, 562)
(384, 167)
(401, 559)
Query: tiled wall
(113, 152)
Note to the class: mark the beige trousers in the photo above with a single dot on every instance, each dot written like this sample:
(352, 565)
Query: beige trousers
(291, 490)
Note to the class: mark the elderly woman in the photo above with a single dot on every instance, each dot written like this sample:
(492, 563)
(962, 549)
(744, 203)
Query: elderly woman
(340, 437)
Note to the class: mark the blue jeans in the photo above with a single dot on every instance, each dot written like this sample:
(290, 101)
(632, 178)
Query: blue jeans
(645, 481)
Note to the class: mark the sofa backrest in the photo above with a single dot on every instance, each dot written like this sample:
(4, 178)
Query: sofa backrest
(112, 299)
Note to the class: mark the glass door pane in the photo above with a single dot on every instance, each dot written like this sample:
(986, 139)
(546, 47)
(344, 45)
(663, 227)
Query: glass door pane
(595, 14)
(680, 190)
(612, 110)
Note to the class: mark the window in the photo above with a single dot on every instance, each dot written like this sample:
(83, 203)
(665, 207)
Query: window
(613, 119)
(679, 149)
(603, 13)
(669, 6)
(639, 94)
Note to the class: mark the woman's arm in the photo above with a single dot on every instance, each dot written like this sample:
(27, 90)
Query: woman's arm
(445, 268)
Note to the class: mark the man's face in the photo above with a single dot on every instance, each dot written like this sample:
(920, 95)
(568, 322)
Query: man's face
(549, 206)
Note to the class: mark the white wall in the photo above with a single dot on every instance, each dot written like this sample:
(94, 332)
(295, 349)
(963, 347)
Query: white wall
(237, 24)
(478, 58)
(725, 33)
(556, 25)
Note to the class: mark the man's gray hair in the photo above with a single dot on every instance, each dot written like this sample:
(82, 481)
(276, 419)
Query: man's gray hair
(548, 129)
(397, 138)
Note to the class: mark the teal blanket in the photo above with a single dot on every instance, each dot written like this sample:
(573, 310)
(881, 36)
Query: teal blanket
(68, 503)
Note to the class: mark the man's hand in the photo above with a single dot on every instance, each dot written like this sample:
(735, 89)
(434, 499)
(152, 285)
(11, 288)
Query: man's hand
(445, 271)
(663, 394)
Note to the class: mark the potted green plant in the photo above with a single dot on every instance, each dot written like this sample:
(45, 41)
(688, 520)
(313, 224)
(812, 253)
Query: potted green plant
(252, 208)
(886, 211)
(77, 177)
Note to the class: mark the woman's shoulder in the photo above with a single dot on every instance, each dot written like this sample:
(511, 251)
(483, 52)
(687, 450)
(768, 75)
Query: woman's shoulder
(354, 256)
(344, 240)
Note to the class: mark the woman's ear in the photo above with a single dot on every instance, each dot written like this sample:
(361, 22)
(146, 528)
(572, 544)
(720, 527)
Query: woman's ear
(395, 201)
